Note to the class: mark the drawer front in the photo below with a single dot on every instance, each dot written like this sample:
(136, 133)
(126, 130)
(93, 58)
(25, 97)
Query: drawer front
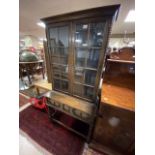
(70, 111)
(66, 108)
(54, 104)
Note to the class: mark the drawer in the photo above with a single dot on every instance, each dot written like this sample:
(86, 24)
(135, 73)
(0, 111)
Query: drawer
(66, 108)
(57, 104)
(71, 111)
(54, 104)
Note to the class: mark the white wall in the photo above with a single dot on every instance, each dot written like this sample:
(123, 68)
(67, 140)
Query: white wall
(120, 42)
(30, 41)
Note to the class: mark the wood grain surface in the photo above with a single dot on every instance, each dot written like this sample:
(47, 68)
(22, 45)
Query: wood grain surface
(73, 102)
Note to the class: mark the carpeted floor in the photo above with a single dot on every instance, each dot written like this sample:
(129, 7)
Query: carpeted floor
(52, 137)
(22, 100)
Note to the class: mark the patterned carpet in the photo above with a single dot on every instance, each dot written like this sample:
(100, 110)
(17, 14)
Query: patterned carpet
(38, 126)
(22, 100)
(53, 138)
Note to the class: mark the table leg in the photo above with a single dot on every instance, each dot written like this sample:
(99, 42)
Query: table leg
(28, 75)
(38, 93)
(42, 69)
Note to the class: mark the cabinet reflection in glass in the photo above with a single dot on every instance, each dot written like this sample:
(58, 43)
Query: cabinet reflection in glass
(60, 71)
(90, 77)
(61, 84)
(59, 40)
(81, 54)
(59, 36)
(93, 58)
(83, 91)
(96, 34)
(81, 35)
(79, 74)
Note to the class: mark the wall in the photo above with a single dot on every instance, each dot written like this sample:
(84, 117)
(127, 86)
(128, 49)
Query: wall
(30, 41)
(121, 42)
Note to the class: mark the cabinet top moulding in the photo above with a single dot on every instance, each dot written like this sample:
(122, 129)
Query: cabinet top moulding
(89, 13)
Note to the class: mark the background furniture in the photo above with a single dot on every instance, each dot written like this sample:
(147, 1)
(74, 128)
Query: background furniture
(30, 68)
(115, 126)
(76, 52)
(37, 89)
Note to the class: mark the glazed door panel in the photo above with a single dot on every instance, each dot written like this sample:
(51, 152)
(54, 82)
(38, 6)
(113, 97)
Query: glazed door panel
(77, 55)
(59, 49)
(88, 41)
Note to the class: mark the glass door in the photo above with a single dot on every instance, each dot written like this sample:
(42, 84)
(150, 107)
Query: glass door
(87, 48)
(59, 47)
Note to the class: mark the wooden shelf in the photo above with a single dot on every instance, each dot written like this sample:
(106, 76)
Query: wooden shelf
(80, 134)
(58, 64)
(86, 68)
(118, 96)
(77, 126)
(121, 61)
(84, 84)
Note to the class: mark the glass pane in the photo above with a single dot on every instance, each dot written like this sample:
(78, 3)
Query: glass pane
(60, 71)
(59, 47)
(55, 59)
(81, 54)
(57, 74)
(56, 71)
(83, 91)
(59, 44)
(63, 35)
(79, 74)
(96, 34)
(61, 85)
(78, 90)
(60, 60)
(53, 43)
(64, 85)
(81, 35)
(90, 77)
(88, 92)
(54, 35)
(62, 51)
(59, 51)
(56, 84)
(93, 58)
(59, 36)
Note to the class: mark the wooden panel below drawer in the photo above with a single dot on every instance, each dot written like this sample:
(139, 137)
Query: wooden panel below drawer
(115, 129)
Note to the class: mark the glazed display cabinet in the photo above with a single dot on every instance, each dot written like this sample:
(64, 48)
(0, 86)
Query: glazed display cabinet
(76, 47)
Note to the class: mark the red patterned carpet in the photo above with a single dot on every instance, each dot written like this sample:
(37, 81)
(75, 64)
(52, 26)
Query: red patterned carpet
(22, 100)
(52, 137)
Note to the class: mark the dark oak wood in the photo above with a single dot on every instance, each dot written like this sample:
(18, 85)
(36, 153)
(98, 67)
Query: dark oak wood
(106, 11)
(72, 102)
(78, 98)
(48, 67)
(115, 126)
(125, 53)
